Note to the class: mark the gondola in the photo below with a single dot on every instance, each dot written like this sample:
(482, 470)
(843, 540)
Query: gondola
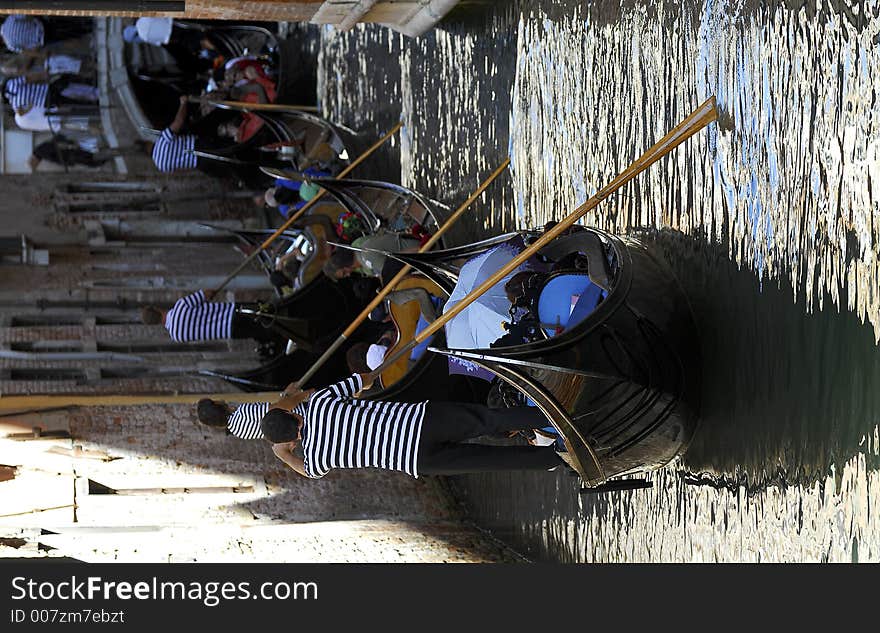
(303, 325)
(294, 70)
(235, 40)
(290, 140)
(619, 380)
(230, 41)
(379, 206)
(617, 376)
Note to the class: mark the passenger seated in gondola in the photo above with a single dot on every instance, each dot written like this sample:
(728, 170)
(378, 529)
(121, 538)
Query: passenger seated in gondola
(372, 259)
(342, 264)
(371, 355)
(291, 195)
(248, 84)
(425, 438)
(196, 318)
(480, 324)
(537, 299)
(554, 301)
(237, 83)
(241, 131)
(241, 71)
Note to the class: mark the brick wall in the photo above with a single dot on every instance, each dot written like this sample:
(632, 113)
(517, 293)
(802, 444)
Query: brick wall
(341, 12)
(262, 10)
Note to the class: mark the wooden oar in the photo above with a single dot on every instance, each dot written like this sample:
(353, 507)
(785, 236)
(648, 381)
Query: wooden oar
(36, 402)
(400, 275)
(247, 106)
(696, 121)
(296, 216)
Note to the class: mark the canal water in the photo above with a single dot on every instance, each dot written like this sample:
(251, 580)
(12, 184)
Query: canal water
(769, 219)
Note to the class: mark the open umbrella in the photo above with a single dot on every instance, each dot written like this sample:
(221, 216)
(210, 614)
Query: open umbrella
(479, 325)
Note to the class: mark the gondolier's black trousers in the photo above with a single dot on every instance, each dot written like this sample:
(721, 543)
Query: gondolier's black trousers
(446, 425)
(209, 166)
(246, 326)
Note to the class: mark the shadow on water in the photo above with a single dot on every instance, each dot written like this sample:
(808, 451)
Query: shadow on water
(786, 394)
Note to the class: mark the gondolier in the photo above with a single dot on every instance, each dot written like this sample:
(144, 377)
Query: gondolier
(24, 96)
(174, 151)
(42, 65)
(243, 422)
(336, 430)
(196, 318)
(22, 33)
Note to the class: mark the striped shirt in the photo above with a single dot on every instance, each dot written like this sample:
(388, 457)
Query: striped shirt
(174, 151)
(21, 94)
(22, 32)
(194, 319)
(340, 431)
(244, 422)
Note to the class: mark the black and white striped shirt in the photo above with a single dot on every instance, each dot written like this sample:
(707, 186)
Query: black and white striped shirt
(21, 94)
(194, 319)
(174, 151)
(340, 431)
(244, 422)
(22, 32)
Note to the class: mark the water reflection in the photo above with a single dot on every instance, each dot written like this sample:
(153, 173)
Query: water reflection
(785, 179)
(773, 236)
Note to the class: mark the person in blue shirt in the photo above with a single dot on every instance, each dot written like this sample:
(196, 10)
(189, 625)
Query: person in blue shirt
(291, 195)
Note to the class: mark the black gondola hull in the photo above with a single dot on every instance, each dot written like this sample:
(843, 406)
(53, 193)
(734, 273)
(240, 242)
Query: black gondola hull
(623, 386)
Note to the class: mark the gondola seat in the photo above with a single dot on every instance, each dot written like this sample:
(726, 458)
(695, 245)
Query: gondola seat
(406, 318)
(567, 299)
